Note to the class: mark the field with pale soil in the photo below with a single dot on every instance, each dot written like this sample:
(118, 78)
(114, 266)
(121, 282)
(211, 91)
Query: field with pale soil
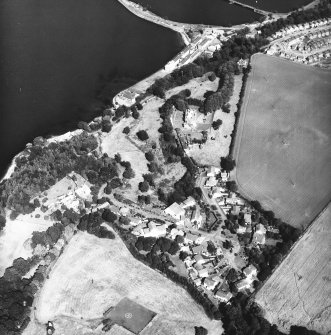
(94, 274)
(299, 291)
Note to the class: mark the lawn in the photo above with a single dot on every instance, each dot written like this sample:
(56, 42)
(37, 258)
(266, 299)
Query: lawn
(299, 291)
(94, 274)
(283, 142)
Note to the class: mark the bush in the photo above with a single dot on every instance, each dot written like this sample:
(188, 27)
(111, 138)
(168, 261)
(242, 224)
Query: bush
(135, 114)
(143, 186)
(109, 216)
(142, 135)
(2, 222)
(149, 156)
(128, 173)
(126, 130)
(212, 77)
(216, 124)
(227, 163)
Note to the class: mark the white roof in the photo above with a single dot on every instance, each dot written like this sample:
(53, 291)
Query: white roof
(175, 210)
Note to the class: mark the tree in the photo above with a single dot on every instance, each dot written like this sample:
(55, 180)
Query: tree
(232, 186)
(211, 248)
(227, 244)
(135, 114)
(128, 173)
(126, 130)
(109, 216)
(143, 186)
(232, 276)
(216, 124)
(200, 331)
(142, 135)
(227, 163)
(2, 221)
(106, 126)
(212, 77)
(149, 156)
(118, 158)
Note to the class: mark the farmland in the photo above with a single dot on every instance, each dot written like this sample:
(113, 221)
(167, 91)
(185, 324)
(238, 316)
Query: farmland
(283, 144)
(299, 291)
(92, 275)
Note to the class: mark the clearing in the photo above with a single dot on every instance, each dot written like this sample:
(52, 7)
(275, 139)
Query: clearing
(299, 291)
(95, 274)
(283, 144)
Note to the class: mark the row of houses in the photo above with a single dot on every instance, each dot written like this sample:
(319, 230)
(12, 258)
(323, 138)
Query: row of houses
(300, 27)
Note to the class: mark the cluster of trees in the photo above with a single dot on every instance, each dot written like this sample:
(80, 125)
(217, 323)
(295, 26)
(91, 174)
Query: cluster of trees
(2, 222)
(227, 163)
(321, 10)
(222, 96)
(178, 77)
(92, 223)
(142, 135)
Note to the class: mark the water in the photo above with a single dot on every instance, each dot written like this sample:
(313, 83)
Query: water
(54, 57)
(215, 12)
(280, 6)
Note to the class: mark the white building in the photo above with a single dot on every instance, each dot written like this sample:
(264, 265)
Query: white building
(176, 211)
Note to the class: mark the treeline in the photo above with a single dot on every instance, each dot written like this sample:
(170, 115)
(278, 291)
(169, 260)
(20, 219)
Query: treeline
(320, 11)
(238, 112)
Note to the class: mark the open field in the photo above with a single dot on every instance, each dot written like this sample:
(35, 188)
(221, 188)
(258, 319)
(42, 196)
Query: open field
(299, 291)
(14, 236)
(94, 274)
(282, 148)
(218, 142)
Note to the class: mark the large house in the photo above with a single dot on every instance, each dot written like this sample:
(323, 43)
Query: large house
(259, 235)
(176, 211)
(223, 296)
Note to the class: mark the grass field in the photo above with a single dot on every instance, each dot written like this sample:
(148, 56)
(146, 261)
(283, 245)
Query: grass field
(94, 274)
(299, 291)
(283, 144)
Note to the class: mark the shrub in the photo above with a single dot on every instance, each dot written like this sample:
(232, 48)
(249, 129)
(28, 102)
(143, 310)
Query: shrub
(126, 130)
(142, 135)
(149, 156)
(143, 186)
(227, 163)
(216, 124)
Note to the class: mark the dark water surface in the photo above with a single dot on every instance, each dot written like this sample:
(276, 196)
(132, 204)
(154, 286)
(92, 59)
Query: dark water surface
(280, 6)
(53, 54)
(215, 12)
